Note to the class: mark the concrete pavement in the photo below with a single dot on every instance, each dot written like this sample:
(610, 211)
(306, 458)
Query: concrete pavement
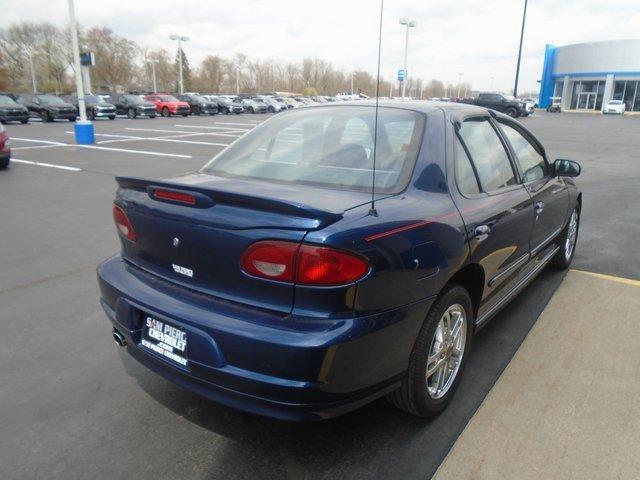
(568, 404)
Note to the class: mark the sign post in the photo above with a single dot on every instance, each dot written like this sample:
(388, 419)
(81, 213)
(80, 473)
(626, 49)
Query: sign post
(83, 128)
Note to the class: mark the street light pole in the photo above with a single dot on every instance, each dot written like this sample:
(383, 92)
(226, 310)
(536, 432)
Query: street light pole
(153, 75)
(408, 24)
(33, 73)
(238, 79)
(83, 129)
(180, 39)
(524, 18)
(460, 74)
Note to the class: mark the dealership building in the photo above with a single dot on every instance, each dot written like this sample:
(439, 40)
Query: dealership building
(588, 75)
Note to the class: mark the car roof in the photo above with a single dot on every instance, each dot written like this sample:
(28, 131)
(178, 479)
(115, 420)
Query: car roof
(451, 109)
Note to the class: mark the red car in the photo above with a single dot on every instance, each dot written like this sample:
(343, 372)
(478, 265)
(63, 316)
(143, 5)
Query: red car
(168, 105)
(5, 151)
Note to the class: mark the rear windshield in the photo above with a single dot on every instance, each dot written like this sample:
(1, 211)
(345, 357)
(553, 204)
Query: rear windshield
(328, 147)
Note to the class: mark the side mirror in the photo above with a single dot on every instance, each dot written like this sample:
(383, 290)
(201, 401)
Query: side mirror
(566, 168)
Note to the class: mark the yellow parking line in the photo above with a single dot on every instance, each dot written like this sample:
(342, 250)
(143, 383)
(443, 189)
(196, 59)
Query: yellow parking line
(626, 281)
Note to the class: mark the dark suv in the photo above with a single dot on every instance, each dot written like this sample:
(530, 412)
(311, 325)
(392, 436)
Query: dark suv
(226, 105)
(12, 111)
(132, 105)
(95, 106)
(199, 105)
(500, 103)
(48, 107)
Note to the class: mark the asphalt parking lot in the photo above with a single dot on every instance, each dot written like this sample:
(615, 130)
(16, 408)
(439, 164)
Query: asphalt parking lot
(74, 406)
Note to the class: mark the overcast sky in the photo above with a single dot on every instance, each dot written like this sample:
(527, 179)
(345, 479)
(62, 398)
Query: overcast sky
(476, 37)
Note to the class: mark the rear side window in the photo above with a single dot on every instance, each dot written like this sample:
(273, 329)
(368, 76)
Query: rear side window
(465, 176)
(531, 162)
(488, 154)
(328, 147)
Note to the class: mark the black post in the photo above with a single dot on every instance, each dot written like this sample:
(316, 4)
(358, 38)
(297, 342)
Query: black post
(524, 17)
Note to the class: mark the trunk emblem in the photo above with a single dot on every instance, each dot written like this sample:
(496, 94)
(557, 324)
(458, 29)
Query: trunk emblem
(187, 272)
(176, 242)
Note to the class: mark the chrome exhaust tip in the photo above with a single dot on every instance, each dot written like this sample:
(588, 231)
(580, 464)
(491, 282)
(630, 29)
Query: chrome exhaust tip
(118, 338)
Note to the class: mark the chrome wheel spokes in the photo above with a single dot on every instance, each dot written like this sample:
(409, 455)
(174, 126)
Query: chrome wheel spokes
(447, 349)
(572, 233)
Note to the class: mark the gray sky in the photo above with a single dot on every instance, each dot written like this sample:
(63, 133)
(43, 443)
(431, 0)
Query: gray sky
(477, 37)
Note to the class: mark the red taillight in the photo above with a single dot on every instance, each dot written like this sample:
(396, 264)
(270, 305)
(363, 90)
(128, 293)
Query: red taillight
(326, 266)
(175, 196)
(304, 264)
(271, 259)
(124, 225)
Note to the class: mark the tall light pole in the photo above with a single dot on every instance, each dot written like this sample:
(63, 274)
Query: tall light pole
(408, 24)
(33, 73)
(83, 129)
(460, 74)
(238, 79)
(153, 75)
(180, 39)
(524, 18)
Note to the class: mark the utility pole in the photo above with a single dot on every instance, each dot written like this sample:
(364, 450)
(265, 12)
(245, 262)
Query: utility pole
(460, 74)
(33, 73)
(180, 39)
(408, 24)
(84, 128)
(153, 76)
(524, 18)
(238, 79)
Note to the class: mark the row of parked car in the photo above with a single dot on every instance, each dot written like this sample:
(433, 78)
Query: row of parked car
(49, 107)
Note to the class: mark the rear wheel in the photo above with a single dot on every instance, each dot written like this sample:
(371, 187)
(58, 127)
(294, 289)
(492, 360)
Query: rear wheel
(112, 117)
(46, 117)
(24, 121)
(438, 356)
(196, 111)
(131, 113)
(91, 115)
(512, 112)
(567, 241)
(165, 112)
(73, 120)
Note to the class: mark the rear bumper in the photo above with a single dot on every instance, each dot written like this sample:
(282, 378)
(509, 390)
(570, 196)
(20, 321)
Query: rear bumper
(250, 359)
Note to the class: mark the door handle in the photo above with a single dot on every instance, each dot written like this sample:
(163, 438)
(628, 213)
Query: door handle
(538, 207)
(481, 232)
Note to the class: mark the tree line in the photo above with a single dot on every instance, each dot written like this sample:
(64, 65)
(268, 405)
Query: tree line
(123, 65)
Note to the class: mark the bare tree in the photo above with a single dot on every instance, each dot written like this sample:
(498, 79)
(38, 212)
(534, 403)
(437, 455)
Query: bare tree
(115, 67)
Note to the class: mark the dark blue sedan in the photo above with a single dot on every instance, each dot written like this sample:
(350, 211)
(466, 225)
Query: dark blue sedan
(270, 281)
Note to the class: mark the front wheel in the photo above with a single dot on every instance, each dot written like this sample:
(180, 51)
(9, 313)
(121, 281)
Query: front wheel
(91, 115)
(512, 112)
(112, 117)
(165, 112)
(438, 356)
(567, 240)
(72, 120)
(131, 113)
(24, 121)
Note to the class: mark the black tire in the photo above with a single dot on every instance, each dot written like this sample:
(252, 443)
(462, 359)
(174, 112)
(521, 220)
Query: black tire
(512, 112)
(413, 396)
(165, 112)
(196, 111)
(4, 163)
(271, 109)
(251, 110)
(152, 116)
(185, 114)
(112, 117)
(3, 122)
(562, 260)
(224, 110)
(91, 115)
(131, 113)
(46, 118)
(24, 121)
(72, 120)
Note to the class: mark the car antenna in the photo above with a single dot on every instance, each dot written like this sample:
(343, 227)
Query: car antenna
(372, 210)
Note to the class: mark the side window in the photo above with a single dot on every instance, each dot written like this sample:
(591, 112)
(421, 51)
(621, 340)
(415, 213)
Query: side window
(531, 162)
(487, 154)
(465, 176)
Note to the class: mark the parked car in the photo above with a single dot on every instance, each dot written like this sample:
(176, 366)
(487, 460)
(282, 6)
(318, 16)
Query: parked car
(254, 105)
(199, 104)
(614, 106)
(95, 106)
(12, 111)
(167, 105)
(273, 106)
(48, 107)
(271, 282)
(226, 105)
(5, 150)
(531, 100)
(289, 102)
(500, 103)
(132, 105)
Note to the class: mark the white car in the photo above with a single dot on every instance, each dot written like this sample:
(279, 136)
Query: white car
(614, 106)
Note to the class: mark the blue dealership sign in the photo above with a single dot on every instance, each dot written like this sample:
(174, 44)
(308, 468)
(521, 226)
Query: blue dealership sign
(402, 74)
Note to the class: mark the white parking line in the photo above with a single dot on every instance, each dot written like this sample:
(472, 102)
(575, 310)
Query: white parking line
(243, 124)
(235, 129)
(181, 131)
(38, 141)
(141, 152)
(49, 165)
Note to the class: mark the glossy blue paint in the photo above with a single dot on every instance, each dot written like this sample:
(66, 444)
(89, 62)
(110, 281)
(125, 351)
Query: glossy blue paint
(294, 351)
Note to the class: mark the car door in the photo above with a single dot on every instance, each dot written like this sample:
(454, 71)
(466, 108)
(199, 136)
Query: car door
(495, 207)
(549, 193)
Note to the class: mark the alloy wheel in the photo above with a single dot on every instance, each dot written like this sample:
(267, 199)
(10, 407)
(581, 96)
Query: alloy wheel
(446, 352)
(572, 234)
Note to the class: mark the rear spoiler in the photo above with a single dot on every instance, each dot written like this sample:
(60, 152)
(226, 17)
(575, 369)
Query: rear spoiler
(217, 196)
